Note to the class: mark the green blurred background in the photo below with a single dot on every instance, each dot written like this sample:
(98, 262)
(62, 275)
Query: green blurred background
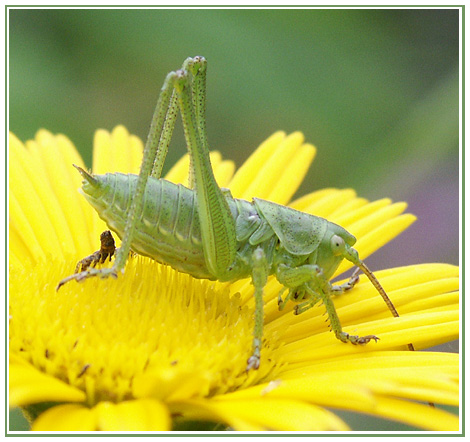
(377, 91)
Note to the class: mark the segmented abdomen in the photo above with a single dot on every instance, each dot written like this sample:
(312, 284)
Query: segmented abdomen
(168, 230)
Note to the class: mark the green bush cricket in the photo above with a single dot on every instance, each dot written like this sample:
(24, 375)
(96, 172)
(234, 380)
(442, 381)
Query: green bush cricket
(204, 231)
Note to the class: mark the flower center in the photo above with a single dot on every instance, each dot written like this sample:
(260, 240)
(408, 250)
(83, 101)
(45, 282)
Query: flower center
(151, 332)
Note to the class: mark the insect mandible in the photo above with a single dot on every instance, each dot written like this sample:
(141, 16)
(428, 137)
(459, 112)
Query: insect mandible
(202, 230)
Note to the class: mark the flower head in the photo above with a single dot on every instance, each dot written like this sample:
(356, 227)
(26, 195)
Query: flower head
(159, 350)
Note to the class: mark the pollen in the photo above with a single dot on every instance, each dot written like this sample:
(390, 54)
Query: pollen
(152, 332)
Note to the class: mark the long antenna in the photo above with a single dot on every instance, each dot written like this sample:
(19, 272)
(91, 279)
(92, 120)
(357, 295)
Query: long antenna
(375, 282)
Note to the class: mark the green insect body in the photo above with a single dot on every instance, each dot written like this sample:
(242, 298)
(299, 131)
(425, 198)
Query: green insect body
(204, 231)
(169, 232)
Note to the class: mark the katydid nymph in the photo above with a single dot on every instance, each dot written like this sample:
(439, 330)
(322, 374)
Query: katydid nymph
(202, 230)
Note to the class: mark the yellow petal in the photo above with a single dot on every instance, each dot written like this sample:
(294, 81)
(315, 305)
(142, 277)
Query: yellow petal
(203, 410)
(178, 173)
(279, 415)
(292, 175)
(28, 386)
(310, 389)
(67, 417)
(417, 376)
(263, 414)
(135, 415)
(347, 217)
(365, 387)
(422, 331)
(116, 151)
(248, 171)
(55, 153)
(30, 200)
(268, 175)
(275, 170)
(442, 365)
(307, 202)
(24, 243)
(329, 203)
(223, 170)
(423, 416)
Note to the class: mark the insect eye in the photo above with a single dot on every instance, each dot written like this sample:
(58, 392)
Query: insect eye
(337, 245)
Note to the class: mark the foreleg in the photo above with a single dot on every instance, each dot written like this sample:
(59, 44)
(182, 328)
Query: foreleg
(348, 285)
(336, 324)
(312, 286)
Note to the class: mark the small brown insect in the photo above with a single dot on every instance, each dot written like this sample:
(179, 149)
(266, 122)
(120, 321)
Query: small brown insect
(108, 247)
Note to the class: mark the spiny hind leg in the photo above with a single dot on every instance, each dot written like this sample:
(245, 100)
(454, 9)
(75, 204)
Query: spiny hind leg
(215, 218)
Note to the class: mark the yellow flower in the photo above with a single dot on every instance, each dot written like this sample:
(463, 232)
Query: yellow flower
(160, 350)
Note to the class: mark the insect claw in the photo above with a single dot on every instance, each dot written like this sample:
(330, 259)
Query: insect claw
(356, 340)
(254, 360)
(368, 338)
(253, 363)
(77, 276)
(61, 283)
